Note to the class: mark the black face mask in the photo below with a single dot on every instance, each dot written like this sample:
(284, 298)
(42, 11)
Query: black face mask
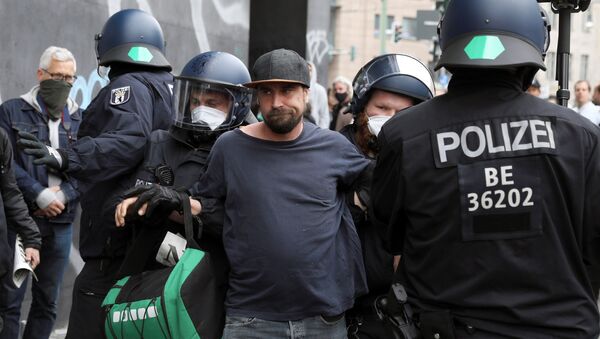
(341, 96)
(54, 93)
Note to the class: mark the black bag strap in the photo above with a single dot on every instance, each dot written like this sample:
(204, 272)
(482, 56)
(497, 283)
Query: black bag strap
(188, 221)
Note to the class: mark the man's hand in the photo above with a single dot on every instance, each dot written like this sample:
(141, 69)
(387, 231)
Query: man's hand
(124, 208)
(53, 209)
(143, 200)
(155, 195)
(45, 155)
(32, 256)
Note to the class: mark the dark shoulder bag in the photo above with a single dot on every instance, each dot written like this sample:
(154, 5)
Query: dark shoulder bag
(183, 301)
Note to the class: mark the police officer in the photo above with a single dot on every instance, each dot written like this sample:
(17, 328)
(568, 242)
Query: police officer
(110, 145)
(384, 86)
(489, 194)
(209, 99)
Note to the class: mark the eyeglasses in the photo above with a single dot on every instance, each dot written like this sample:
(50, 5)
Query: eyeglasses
(58, 76)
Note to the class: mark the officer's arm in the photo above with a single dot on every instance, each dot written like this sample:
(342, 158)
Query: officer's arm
(112, 153)
(324, 116)
(387, 195)
(143, 176)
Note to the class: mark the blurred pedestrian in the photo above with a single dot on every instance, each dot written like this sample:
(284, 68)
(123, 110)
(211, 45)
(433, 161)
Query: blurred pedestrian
(596, 96)
(341, 96)
(583, 102)
(319, 109)
(47, 112)
(534, 88)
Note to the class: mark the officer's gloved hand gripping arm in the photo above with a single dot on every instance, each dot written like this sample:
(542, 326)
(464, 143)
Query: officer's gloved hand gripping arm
(144, 200)
(44, 154)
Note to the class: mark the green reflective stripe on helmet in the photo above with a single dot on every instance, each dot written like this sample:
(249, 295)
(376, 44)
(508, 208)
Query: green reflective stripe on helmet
(140, 54)
(486, 47)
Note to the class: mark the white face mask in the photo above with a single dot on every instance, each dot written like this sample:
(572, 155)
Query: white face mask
(376, 122)
(210, 116)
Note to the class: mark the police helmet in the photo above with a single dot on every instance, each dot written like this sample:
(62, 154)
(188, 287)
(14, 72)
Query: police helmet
(209, 96)
(131, 36)
(493, 34)
(396, 73)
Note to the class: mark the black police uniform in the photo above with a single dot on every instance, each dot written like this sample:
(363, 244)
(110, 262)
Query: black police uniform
(111, 140)
(362, 319)
(491, 197)
(172, 161)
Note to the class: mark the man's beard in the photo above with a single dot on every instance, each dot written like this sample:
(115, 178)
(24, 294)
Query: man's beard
(282, 121)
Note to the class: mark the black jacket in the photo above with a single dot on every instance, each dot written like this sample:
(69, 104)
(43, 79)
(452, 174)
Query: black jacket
(110, 146)
(491, 196)
(171, 161)
(14, 214)
(378, 262)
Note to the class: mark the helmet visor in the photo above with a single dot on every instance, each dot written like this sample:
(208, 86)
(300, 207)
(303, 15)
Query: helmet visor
(202, 106)
(390, 65)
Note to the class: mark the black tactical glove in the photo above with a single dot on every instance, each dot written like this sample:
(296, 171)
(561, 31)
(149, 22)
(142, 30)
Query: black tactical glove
(45, 155)
(155, 195)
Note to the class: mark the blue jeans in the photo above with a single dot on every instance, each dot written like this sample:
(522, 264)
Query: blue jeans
(54, 256)
(308, 328)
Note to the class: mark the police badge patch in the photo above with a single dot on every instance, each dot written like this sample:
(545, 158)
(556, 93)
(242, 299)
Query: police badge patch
(119, 95)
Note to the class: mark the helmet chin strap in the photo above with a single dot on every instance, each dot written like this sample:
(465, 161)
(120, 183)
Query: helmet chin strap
(526, 74)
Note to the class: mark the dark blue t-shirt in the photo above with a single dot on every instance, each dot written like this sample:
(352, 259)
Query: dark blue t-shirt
(289, 236)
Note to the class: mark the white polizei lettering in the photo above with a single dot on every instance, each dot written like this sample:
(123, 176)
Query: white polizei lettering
(505, 173)
(141, 313)
(491, 176)
(443, 147)
(490, 141)
(483, 138)
(116, 317)
(505, 136)
(463, 139)
(536, 133)
(516, 145)
(550, 134)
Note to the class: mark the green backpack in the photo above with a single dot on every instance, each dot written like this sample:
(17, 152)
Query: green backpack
(183, 301)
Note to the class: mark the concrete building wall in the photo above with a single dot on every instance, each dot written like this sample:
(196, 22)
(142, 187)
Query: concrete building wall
(355, 26)
(190, 27)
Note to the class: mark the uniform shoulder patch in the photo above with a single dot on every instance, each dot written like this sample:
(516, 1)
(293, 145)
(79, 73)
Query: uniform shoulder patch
(120, 95)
